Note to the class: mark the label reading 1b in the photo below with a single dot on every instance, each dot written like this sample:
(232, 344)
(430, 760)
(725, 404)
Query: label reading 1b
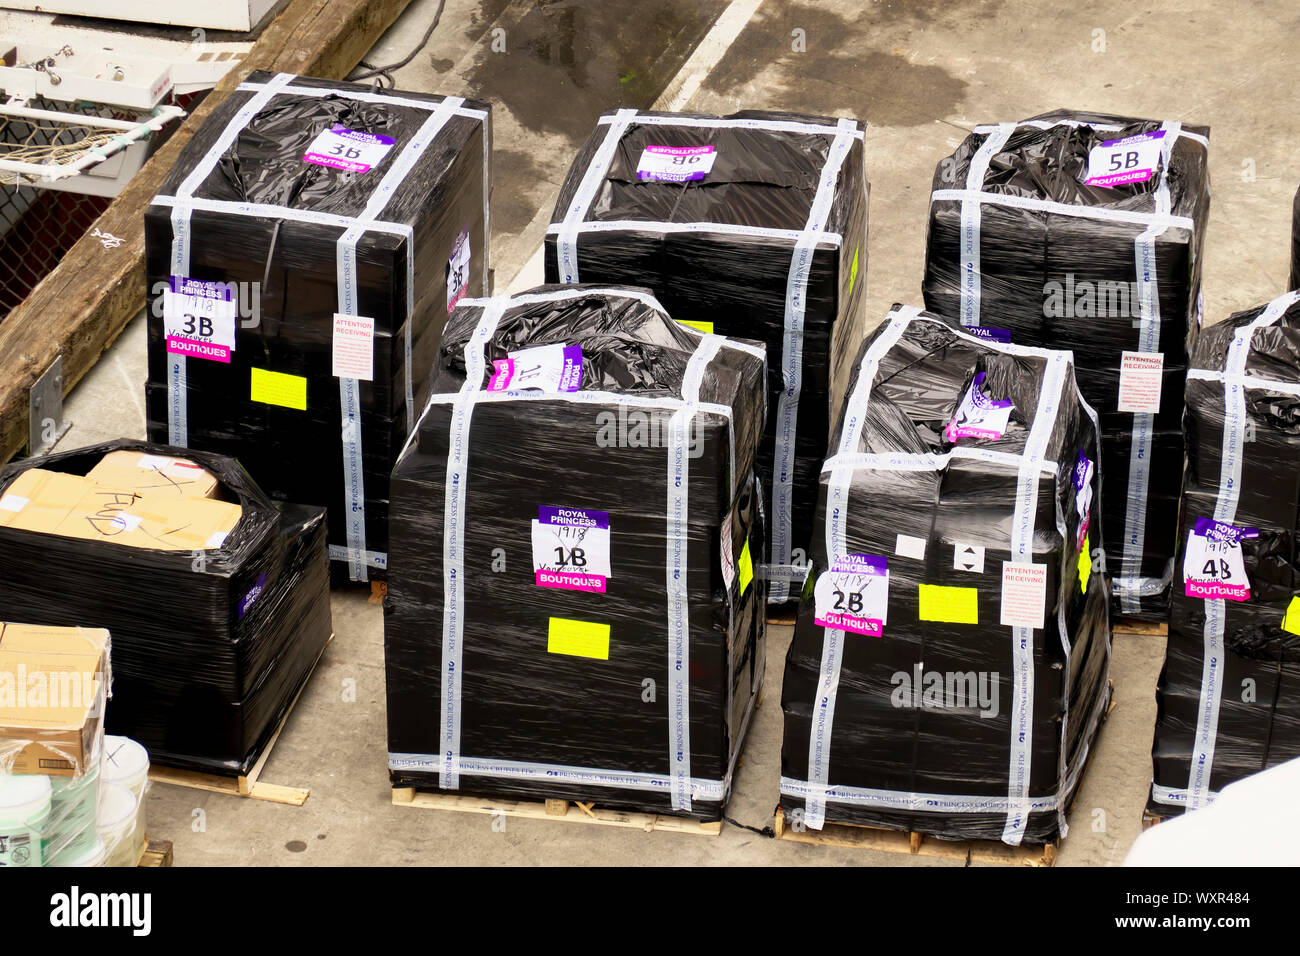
(571, 549)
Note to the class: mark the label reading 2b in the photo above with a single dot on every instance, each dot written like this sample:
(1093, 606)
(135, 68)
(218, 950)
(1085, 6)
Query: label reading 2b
(571, 549)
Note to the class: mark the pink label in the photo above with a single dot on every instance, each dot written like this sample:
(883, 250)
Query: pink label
(1217, 590)
(503, 372)
(570, 581)
(856, 625)
(199, 350)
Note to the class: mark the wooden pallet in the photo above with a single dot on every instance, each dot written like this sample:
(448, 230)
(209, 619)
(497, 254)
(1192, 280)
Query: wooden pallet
(1150, 819)
(80, 308)
(1126, 625)
(156, 853)
(916, 844)
(249, 785)
(554, 810)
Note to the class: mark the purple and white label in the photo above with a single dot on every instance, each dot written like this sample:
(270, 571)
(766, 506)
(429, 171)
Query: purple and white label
(348, 149)
(1083, 469)
(989, 334)
(675, 164)
(1133, 159)
(978, 416)
(547, 368)
(458, 269)
(571, 549)
(199, 319)
(853, 595)
(251, 597)
(1213, 566)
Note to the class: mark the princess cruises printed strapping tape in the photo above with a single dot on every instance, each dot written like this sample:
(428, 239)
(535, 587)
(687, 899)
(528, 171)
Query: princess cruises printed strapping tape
(450, 764)
(1031, 466)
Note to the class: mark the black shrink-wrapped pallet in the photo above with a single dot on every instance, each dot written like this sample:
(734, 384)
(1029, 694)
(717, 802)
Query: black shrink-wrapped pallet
(302, 257)
(1228, 699)
(210, 647)
(949, 669)
(1295, 243)
(1084, 231)
(574, 609)
(751, 225)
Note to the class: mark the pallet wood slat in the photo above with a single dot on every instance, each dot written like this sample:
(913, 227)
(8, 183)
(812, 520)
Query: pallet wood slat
(156, 853)
(562, 810)
(81, 307)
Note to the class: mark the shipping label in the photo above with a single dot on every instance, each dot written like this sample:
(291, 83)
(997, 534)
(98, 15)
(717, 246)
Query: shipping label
(675, 164)
(199, 319)
(1213, 566)
(1024, 594)
(1133, 159)
(548, 368)
(354, 347)
(571, 549)
(458, 269)
(979, 416)
(1082, 479)
(348, 149)
(1140, 375)
(853, 595)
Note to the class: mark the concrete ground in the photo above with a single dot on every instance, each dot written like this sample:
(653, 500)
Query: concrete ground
(921, 73)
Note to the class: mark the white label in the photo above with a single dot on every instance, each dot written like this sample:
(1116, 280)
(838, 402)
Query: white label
(218, 539)
(124, 521)
(1213, 565)
(979, 416)
(728, 559)
(571, 549)
(1133, 159)
(458, 269)
(676, 164)
(200, 313)
(1139, 381)
(548, 368)
(348, 149)
(354, 347)
(968, 557)
(169, 466)
(1024, 594)
(853, 595)
(908, 546)
(14, 503)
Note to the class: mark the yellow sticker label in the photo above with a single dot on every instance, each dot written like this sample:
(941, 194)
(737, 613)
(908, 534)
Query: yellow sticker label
(948, 605)
(578, 638)
(1291, 620)
(853, 269)
(276, 388)
(705, 327)
(1085, 565)
(746, 567)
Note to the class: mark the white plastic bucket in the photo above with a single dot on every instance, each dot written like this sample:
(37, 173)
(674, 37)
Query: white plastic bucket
(92, 857)
(120, 825)
(24, 810)
(71, 827)
(125, 762)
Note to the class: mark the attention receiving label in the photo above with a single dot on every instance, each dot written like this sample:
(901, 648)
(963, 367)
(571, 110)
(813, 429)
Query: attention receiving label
(1139, 381)
(199, 319)
(458, 269)
(354, 347)
(548, 368)
(571, 549)
(675, 164)
(978, 416)
(853, 595)
(1024, 594)
(1133, 159)
(348, 149)
(1213, 566)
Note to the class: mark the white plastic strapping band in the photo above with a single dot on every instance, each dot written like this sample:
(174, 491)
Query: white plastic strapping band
(566, 241)
(969, 277)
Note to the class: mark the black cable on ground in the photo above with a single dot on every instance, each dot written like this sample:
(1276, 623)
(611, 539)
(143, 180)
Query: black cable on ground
(384, 71)
(766, 831)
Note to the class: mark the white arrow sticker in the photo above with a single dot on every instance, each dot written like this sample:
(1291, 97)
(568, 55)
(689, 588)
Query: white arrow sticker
(968, 557)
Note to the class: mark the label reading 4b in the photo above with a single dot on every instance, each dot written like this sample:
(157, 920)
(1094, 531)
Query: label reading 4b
(1213, 566)
(853, 595)
(571, 549)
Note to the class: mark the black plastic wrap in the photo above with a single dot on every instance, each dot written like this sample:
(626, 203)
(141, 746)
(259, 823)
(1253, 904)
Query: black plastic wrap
(1229, 695)
(484, 663)
(1295, 243)
(937, 706)
(285, 256)
(731, 252)
(1058, 263)
(209, 647)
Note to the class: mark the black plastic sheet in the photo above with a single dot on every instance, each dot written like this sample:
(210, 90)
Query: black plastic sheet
(209, 648)
(641, 671)
(1229, 694)
(1068, 276)
(730, 250)
(275, 228)
(967, 677)
(1295, 243)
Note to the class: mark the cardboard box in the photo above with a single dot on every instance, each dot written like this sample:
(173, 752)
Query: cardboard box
(71, 506)
(154, 475)
(52, 689)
